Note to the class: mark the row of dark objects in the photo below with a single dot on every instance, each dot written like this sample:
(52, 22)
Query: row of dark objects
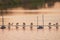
(31, 26)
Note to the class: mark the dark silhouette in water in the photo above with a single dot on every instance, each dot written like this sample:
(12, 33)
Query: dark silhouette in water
(3, 27)
(31, 26)
(57, 26)
(17, 24)
(9, 26)
(40, 27)
(49, 26)
(24, 26)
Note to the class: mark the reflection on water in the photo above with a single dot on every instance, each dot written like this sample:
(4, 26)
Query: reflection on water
(20, 34)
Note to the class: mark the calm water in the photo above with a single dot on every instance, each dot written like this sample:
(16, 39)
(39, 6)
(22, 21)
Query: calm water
(35, 34)
(20, 34)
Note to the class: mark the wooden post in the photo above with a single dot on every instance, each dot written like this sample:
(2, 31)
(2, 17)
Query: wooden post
(37, 21)
(43, 20)
(2, 27)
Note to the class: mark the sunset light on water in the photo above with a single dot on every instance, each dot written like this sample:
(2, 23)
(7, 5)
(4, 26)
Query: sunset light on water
(27, 23)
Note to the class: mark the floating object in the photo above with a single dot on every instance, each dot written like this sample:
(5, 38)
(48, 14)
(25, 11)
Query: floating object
(9, 26)
(3, 27)
(31, 26)
(40, 27)
(57, 26)
(49, 25)
(17, 25)
(24, 26)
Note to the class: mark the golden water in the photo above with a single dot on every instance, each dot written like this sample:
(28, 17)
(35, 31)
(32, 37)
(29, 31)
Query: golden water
(29, 17)
(20, 34)
(35, 34)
